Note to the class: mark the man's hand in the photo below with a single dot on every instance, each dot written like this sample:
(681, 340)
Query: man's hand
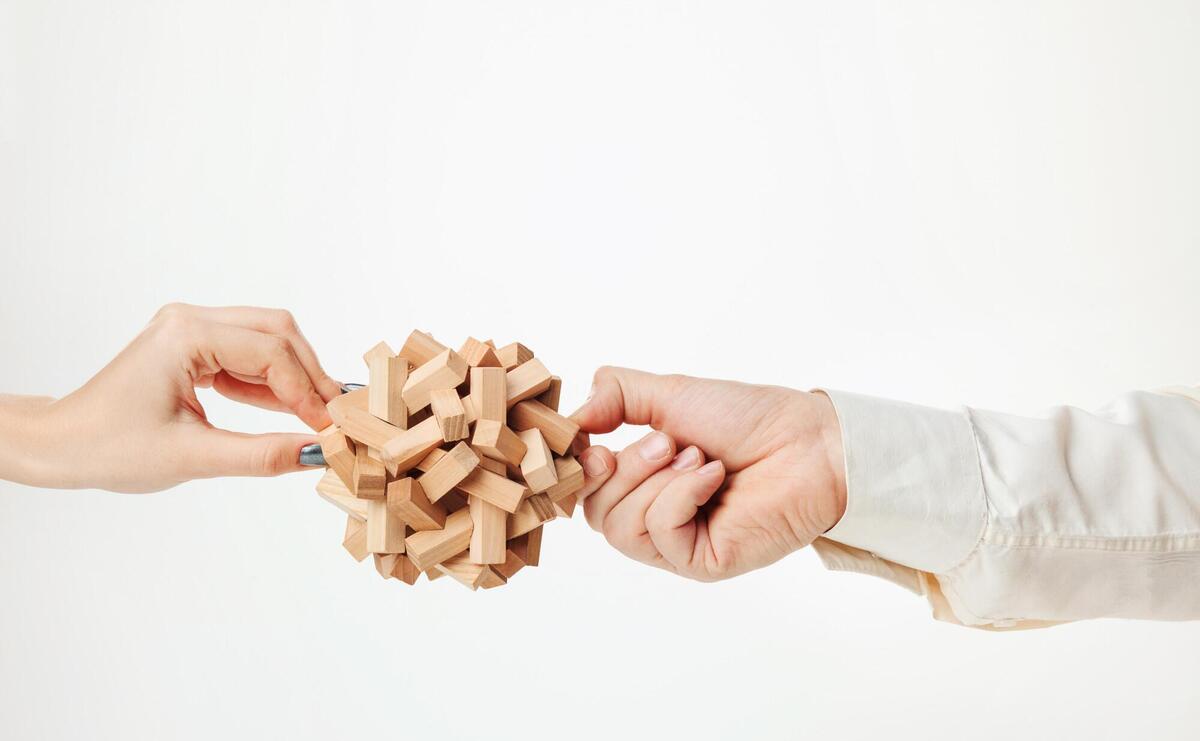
(137, 426)
(775, 482)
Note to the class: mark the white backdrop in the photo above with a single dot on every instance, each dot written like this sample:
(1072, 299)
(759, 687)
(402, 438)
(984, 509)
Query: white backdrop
(946, 202)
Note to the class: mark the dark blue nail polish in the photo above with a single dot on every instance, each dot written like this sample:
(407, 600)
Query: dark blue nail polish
(312, 455)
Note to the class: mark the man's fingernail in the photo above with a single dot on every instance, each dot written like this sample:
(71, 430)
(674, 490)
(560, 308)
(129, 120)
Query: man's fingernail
(594, 464)
(655, 447)
(687, 458)
(709, 469)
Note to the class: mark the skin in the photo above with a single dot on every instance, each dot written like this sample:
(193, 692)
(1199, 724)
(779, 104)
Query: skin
(731, 478)
(137, 426)
(775, 481)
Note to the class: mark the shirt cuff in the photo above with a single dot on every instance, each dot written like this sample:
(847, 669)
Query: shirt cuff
(914, 490)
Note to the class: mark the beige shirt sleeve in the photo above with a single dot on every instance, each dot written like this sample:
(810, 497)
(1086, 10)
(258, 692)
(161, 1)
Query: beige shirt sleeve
(1003, 521)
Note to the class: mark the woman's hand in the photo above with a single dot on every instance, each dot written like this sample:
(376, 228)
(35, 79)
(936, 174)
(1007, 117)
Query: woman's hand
(775, 482)
(137, 426)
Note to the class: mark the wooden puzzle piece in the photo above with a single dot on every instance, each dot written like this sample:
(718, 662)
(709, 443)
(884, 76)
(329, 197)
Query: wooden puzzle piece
(557, 429)
(451, 416)
(429, 548)
(488, 531)
(537, 465)
(407, 500)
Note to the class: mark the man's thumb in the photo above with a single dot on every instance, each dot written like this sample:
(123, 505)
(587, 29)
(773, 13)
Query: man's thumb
(624, 396)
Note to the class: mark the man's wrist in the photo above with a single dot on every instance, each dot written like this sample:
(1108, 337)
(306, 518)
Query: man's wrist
(830, 437)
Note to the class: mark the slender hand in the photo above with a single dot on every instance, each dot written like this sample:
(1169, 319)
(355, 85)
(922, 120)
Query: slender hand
(775, 483)
(137, 426)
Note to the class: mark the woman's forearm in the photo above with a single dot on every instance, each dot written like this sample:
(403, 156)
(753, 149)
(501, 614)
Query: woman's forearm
(21, 437)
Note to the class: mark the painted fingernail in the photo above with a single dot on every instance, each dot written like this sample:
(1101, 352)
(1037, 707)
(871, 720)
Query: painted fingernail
(655, 447)
(689, 457)
(594, 464)
(312, 455)
(709, 469)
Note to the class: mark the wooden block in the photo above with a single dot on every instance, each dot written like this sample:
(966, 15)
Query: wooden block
(570, 478)
(384, 394)
(420, 348)
(338, 452)
(550, 397)
(463, 571)
(489, 393)
(447, 470)
(451, 415)
(493, 488)
(385, 531)
(407, 449)
(333, 490)
(528, 547)
(363, 427)
(403, 569)
(513, 354)
(370, 478)
(407, 500)
(532, 512)
(582, 442)
(430, 460)
(490, 578)
(429, 548)
(565, 507)
(491, 464)
(445, 371)
(380, 350)
(497, 441)
(356, 399)
(488, 523)
(512, 564)
(384, 563)
(537, 465)
(526, 381)
(355, 538)
(434, 573)
(478, 354)
(533, 554)
(558, 430)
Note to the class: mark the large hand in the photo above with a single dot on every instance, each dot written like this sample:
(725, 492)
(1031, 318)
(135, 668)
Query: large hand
(137, 426)
(777, 451)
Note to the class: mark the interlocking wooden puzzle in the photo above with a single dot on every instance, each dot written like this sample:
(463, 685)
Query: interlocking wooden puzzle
(449, 463)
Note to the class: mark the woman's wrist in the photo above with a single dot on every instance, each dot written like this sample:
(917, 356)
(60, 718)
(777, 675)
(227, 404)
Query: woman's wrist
(24, 452)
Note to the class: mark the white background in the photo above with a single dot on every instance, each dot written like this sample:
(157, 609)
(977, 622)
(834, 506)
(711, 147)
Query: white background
(945, 202)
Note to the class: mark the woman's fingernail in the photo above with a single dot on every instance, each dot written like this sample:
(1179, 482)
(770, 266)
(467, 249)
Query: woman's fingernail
(709, 469)
(654, 447)
(594, 464)
(689, 457)
(312, 455)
